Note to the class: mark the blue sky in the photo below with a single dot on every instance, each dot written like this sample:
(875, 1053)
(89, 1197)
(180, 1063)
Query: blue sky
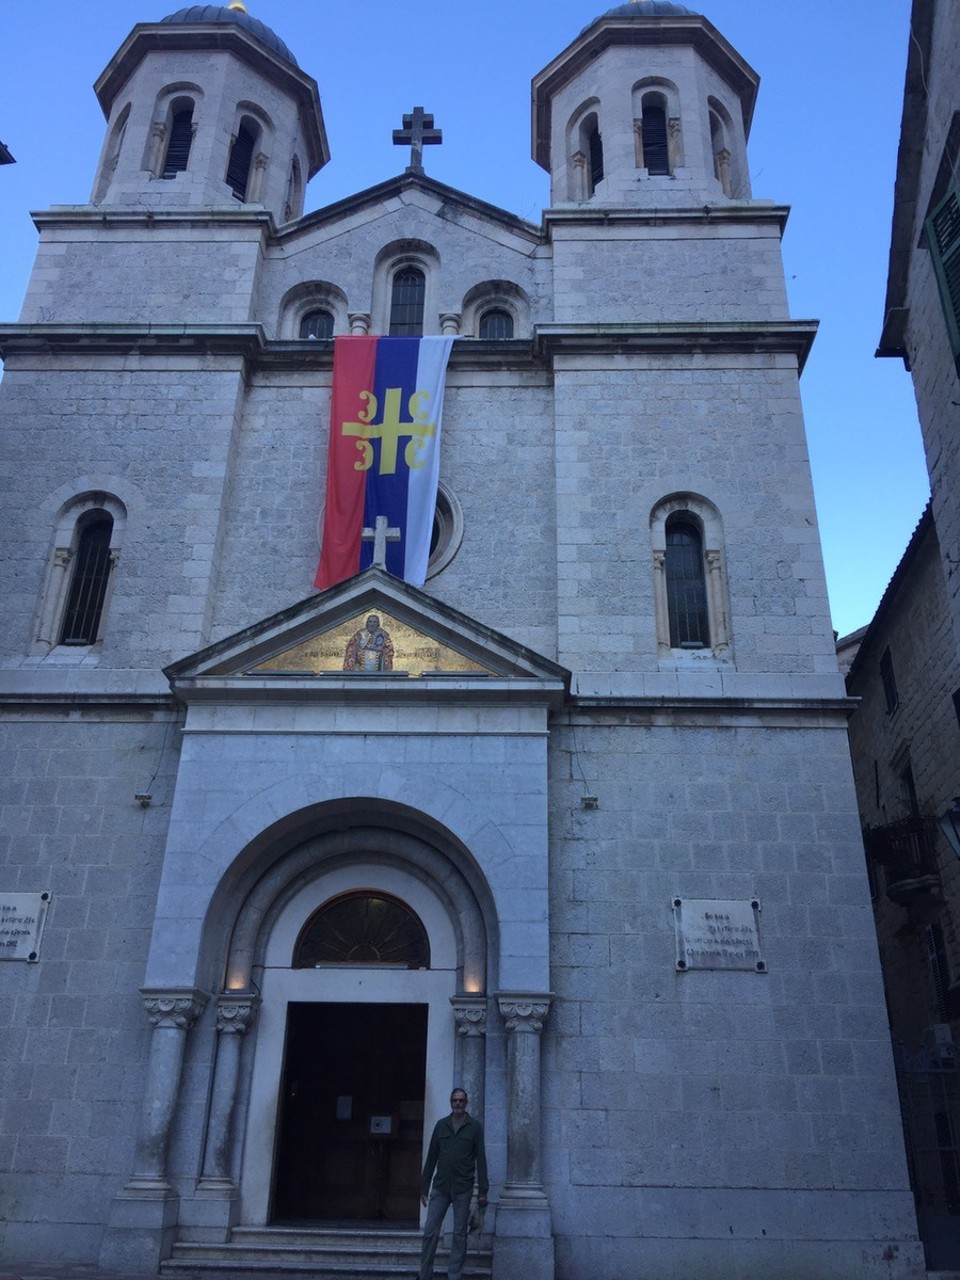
(824, 141)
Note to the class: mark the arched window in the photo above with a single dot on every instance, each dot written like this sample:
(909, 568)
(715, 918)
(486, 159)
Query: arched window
(89, 576)
(240, 164)
(656, 150)
(294, 202)
(178, 143)
(686, 583)
(363, 928)
(594, 156)
(317, 324)
(497, 323)
(406, 303)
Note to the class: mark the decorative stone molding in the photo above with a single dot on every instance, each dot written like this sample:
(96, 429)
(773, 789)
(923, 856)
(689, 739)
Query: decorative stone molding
(524, 1012)
(359, 322)
(179, 1009)
(674, 143)
(236, 1012)
(470, 1015)
(450, 323)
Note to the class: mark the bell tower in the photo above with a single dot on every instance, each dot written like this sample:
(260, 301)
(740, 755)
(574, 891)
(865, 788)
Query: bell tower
(208, 109)
(649, 107)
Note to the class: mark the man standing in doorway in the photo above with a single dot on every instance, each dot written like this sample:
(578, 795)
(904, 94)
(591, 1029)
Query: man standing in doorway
(456, 1150)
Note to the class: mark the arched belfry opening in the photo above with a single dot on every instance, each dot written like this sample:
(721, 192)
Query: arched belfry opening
(355, 946)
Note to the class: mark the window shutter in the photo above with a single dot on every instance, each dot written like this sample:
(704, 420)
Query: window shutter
(178, 147)
(943, 236)
(241, 157)
(654, 129)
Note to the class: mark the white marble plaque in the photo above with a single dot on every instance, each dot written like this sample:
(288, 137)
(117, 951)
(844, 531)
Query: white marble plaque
(21, 925)
(718, 934)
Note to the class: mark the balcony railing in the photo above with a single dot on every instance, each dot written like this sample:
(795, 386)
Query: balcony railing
(906, 849)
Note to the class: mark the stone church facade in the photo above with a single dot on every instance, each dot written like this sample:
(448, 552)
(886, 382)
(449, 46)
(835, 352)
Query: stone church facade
(590, 846)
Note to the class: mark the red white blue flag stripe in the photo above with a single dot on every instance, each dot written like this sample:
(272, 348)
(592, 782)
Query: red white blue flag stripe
(384, 454)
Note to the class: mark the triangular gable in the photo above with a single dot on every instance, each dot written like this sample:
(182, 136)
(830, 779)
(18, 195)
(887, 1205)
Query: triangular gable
(413, 189)
(307, 646)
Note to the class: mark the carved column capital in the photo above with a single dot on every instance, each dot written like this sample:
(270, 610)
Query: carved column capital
(359, 322)
(236, 1012)
(470, 1015)
(524, 1011)
(449, 323)
(178, 1009)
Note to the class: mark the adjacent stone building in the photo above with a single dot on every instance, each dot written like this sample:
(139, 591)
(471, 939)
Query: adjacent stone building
(905, 734)
(591, 846)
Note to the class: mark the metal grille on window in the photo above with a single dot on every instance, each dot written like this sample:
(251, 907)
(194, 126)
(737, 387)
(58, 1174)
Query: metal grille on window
(364, 928)
(406, 303)
(317, 324)
(496, 324)
(178, 146)
(241, 158)
(656, 158)
(88, 585)
(686, 585)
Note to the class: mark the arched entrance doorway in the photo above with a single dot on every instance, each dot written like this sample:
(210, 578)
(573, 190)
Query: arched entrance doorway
(351, 1115)
(359, 958)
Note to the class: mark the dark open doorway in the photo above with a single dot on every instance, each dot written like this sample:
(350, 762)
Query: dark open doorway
(351, 1122)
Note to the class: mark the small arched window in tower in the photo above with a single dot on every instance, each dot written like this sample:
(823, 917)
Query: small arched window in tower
(406, 303)
(293, 206)
(178, 144)
(594, 156)
(363, 928)
(497, 324)
(656, 149)
(317, 324)
(240, 164)
(88, 581)
(686, 583)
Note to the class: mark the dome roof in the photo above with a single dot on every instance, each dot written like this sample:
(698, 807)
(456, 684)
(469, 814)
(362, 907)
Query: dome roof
(239, 18)
(649, 9)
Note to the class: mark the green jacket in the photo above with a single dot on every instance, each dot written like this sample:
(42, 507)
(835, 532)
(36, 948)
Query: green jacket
(455, 1155)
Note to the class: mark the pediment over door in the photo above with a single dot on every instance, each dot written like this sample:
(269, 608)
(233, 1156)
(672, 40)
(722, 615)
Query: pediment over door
(327, 646)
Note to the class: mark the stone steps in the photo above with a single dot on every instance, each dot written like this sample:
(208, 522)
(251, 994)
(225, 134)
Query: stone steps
(326, 1254)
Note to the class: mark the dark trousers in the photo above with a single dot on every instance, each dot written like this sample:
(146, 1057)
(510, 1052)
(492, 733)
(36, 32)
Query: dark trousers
(440, 1202)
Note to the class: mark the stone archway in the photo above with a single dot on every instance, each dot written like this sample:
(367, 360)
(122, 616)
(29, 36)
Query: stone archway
(450, 993)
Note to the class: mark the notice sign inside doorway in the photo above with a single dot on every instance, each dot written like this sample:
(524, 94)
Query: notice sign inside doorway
(22, 916)
(718, 934)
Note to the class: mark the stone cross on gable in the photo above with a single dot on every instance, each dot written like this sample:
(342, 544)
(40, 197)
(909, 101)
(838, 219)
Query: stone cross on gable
(380, 536)
(417, 133)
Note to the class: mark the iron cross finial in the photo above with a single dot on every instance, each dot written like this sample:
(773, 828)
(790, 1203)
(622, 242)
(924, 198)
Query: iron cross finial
(417, 133)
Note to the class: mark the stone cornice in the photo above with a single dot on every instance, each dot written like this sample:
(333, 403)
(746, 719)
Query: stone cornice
(751, 212)
(388, 690)
(112, 216)
(780, 337)
(250, 343)
(246, 341)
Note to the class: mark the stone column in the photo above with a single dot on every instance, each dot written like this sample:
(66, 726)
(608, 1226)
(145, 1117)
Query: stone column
(470, 1014)
(720, 638)
(661, 607)
(450, 323)
(142, 1220)
(236, 1012)
(171, 1014)
(524, 1244)
(359, 322)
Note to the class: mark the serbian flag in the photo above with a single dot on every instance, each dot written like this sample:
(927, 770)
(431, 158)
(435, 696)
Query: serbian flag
(384, 456)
